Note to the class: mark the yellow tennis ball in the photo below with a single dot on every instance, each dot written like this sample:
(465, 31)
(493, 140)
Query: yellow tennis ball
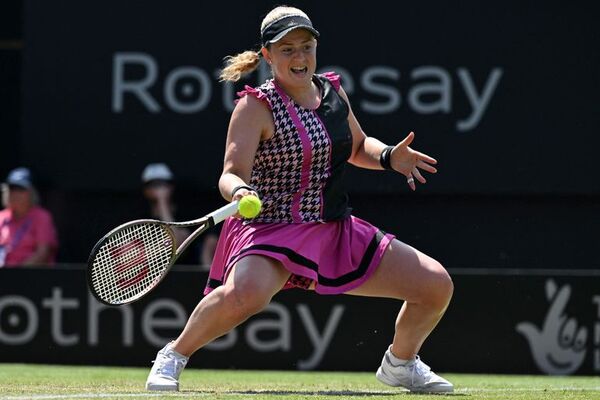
(249, 206)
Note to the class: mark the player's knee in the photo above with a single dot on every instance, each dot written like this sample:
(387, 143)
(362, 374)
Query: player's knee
(247, 299)
(442, 287)
(435, 287)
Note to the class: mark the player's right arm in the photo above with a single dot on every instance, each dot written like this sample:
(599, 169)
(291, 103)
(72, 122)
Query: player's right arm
(251, 122)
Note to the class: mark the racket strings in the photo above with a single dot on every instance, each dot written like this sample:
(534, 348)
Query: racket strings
(131, 262)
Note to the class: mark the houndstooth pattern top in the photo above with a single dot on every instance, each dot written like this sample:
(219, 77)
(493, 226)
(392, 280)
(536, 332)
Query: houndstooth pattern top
(299, 171)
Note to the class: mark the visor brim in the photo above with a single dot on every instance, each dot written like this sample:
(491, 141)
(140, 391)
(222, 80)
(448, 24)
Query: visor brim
(281, 34)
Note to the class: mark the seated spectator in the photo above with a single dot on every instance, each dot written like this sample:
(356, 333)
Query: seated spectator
(207, 252)
(27, 232)
(158, 187)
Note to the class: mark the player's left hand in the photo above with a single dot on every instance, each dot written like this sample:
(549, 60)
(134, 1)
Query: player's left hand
(409, 162)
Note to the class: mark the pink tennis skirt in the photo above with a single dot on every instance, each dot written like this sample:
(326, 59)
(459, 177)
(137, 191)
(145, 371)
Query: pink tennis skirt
(337, 256)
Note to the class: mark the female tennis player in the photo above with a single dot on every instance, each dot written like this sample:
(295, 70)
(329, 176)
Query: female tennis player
(289, 140)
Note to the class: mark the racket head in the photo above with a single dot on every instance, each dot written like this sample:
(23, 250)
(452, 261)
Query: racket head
(130, 261)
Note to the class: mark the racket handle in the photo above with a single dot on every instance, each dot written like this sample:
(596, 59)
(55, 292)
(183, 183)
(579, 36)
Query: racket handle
(224, 212)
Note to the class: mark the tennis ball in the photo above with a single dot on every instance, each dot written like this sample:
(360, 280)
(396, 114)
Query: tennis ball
(249, 206)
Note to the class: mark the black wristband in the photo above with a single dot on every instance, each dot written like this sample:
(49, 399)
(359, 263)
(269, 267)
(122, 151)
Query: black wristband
(385, 159)
(235, 189)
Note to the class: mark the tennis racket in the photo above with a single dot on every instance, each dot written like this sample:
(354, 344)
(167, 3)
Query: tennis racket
(132, 259)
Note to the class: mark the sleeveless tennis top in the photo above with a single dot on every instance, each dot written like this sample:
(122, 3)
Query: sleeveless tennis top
(298, 172)
(305, 223)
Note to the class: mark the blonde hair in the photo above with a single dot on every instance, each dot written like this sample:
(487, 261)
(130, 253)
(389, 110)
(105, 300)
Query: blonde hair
(239, 65)
(281, 12)
(247, 61)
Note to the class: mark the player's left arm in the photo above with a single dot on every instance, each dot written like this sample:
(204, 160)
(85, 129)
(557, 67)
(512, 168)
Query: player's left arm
(366, 151)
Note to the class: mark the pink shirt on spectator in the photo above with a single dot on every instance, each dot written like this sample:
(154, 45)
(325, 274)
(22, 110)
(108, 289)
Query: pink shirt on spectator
(20, 238)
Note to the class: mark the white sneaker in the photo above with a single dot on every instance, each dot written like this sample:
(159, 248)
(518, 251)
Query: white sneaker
(165, 372)
(415, 376)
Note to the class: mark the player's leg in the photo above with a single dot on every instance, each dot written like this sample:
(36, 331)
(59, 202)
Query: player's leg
(249, 288)
(407, 274)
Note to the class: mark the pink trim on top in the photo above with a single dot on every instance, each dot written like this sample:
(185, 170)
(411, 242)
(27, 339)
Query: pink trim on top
(328, 164)
(334, 79)
(254, 92)
(306, 154)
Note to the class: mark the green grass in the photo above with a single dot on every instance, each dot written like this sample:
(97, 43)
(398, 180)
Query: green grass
(38, 382)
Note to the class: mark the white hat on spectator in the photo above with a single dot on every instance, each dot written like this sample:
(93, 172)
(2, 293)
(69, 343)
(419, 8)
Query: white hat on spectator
(156, 172)
(20, 177)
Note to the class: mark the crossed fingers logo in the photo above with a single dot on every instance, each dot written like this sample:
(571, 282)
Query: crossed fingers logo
(559, 347)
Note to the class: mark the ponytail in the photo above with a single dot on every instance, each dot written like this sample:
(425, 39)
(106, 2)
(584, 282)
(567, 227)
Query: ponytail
(238, 65)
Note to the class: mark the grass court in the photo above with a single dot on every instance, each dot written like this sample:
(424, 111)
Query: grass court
(19, 382)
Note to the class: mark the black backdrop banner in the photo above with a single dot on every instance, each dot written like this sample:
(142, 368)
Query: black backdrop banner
(547, 322)
(504, 94)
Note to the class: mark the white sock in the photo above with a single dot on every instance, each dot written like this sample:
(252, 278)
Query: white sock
(170, 347)
(396, 362)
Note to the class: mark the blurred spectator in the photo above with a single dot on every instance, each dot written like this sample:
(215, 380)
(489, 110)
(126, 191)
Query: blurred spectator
(27, 232)
(158, 186)
(207, 252)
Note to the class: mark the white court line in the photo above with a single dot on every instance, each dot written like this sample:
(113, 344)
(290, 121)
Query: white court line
(552, 389)
(102, 395)
(258, 392)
